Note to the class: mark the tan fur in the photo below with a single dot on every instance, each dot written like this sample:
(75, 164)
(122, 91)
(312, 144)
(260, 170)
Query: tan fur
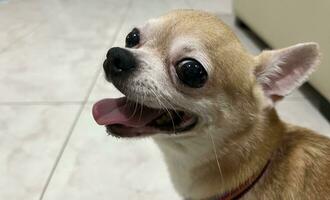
(235, 117)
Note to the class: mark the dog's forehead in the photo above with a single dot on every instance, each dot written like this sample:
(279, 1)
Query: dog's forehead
(161, 27)
(209, 29)
(169, 24)
(186, 46)
(167, 33)
(149, 26)
(177, 44)
(155, 28)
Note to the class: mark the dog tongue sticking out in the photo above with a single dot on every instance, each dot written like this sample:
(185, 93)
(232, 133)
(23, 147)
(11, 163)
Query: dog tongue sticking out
(121, 112)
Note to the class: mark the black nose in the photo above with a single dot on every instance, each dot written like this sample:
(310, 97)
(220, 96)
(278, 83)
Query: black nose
(119, 61)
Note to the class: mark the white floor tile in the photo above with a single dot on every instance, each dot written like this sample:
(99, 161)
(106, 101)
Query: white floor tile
(30, 140)
(95, 165)
(59, 60)
(18, 19)
(112, 169)
(301, 112)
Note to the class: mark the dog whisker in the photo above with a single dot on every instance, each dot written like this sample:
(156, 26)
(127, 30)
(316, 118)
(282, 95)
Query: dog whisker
(216, 156)
(170, 105)
(166, 109)
(141, 107)
(135, 107)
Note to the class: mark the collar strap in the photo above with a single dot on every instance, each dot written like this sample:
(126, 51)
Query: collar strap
(237, 193)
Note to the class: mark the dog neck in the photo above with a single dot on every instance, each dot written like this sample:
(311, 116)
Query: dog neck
(208, 164)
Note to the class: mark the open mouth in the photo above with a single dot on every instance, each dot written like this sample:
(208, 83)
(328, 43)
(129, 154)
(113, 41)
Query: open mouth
(124, 118)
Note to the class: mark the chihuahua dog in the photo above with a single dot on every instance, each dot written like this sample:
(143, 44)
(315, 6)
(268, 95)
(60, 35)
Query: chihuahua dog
(209, 105)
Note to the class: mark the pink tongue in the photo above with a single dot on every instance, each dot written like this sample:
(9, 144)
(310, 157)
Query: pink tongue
(118, 111)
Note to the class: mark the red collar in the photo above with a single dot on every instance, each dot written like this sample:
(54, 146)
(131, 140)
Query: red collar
(237, 193)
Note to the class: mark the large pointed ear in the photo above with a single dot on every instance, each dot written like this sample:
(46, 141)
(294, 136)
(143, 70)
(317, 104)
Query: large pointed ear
(281, 71)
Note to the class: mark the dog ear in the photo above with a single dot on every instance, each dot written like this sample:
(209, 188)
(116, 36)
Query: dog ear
(281, 71)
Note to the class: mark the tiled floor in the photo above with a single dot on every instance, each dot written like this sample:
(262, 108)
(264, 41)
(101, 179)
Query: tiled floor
(50, 60)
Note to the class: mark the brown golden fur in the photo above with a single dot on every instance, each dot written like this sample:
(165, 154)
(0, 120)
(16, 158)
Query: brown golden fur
(238, 130)
(299, 158)
(300, 167)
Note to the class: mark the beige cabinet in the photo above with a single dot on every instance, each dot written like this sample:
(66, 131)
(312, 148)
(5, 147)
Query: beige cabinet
(281, 23)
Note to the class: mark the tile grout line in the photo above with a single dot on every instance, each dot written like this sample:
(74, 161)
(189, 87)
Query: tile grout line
(90, 89)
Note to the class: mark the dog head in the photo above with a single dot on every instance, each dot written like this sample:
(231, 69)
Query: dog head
(186, 72)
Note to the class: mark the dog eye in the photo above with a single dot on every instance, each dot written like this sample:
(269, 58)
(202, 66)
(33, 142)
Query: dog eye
(191, 73)
(133, 38)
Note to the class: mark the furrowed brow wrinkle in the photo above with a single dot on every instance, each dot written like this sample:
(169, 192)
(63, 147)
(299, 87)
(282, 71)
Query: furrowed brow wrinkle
(191, 73)
(133, 38)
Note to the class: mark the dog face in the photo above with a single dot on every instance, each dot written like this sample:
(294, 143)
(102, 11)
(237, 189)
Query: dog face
(186, 71)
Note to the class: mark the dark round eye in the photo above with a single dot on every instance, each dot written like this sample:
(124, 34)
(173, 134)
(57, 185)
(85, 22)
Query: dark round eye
(133, 38)
(191, 73)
